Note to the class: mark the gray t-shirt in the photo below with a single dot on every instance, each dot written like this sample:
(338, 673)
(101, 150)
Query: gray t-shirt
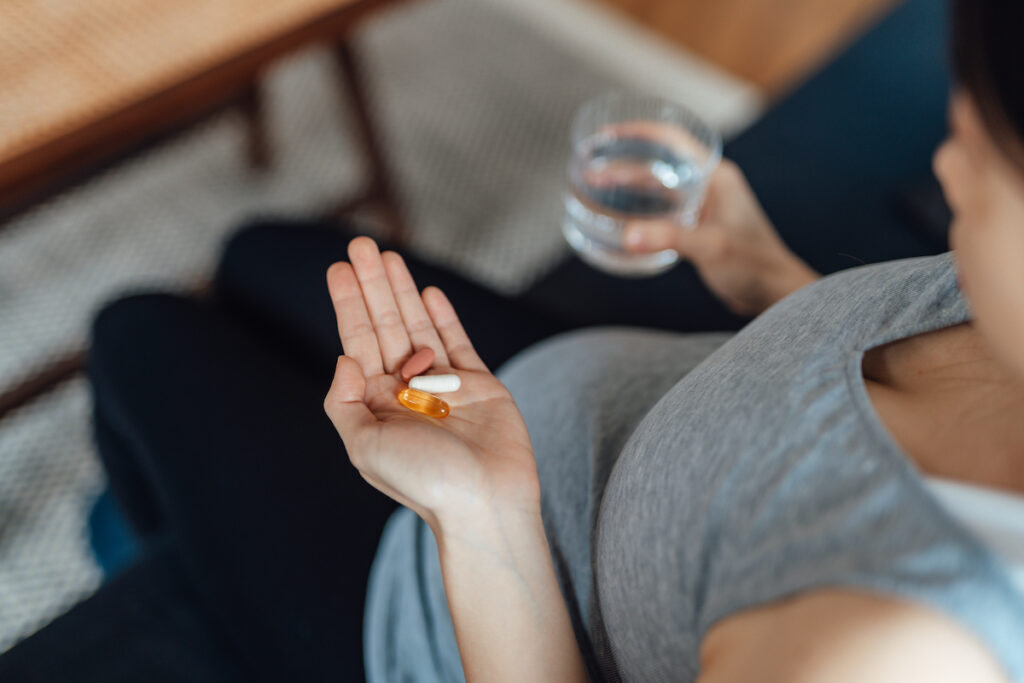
(687, 477)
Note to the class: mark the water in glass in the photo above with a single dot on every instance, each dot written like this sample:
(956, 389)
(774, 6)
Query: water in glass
(614, 179)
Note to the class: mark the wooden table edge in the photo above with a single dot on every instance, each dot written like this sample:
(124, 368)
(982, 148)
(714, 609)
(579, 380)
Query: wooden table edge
(44, 170)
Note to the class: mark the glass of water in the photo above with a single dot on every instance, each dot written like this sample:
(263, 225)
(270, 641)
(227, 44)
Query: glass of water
(634, 157)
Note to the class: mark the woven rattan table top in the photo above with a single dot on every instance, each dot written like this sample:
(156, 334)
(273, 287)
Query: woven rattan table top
(65, 63)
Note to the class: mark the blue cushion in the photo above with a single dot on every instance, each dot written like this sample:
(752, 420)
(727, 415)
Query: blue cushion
(114, 544)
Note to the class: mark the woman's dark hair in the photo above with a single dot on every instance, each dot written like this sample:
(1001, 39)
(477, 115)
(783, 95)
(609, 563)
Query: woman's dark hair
(988, 60)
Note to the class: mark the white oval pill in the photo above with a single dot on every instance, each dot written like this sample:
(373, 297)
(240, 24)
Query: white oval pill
(436, 384)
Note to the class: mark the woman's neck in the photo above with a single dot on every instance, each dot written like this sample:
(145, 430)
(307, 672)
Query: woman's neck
(952, 408)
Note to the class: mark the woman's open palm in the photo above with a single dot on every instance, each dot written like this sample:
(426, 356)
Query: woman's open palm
(479, 454)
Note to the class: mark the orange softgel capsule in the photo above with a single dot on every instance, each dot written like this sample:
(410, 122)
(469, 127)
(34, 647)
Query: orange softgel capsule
(423, 403)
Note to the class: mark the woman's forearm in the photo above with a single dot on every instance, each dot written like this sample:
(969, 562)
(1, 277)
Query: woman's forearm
(790, 274)
(510, 620)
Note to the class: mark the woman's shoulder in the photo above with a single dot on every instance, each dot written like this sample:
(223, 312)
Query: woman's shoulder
(910, 287)
(914, 273)
(856, 308)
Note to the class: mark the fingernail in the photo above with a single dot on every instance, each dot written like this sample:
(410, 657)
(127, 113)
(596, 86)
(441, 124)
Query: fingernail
(634, 238)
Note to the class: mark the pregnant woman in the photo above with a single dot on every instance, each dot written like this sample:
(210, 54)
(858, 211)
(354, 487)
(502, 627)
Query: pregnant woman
(835, 493)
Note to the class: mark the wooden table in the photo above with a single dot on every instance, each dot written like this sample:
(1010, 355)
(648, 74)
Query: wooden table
(772, 44)
(84, 84)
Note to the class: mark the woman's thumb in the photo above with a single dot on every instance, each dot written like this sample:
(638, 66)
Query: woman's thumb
(349, 383)
(644, 236)
(345, 403)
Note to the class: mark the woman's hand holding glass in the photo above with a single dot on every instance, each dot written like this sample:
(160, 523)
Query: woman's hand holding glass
(734, 247)
(446, 469)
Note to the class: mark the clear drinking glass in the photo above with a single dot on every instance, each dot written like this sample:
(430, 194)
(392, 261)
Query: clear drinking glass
(634, 157)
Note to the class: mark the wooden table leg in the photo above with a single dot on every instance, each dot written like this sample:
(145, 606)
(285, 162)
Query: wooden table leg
(45, 380)
(65, 368)
(251, 104)
(379, 190)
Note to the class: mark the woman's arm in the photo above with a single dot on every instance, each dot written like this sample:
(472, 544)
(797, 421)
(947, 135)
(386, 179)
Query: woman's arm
(510, 619)
(735, 248)
(471, 476)
(837, 636)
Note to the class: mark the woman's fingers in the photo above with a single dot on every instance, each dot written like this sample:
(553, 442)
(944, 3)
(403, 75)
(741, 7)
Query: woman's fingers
(346, 405)
(460, 350)
(643, 236)
(358, 337)
(693, 244)
(417, 322)
(392, 337)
